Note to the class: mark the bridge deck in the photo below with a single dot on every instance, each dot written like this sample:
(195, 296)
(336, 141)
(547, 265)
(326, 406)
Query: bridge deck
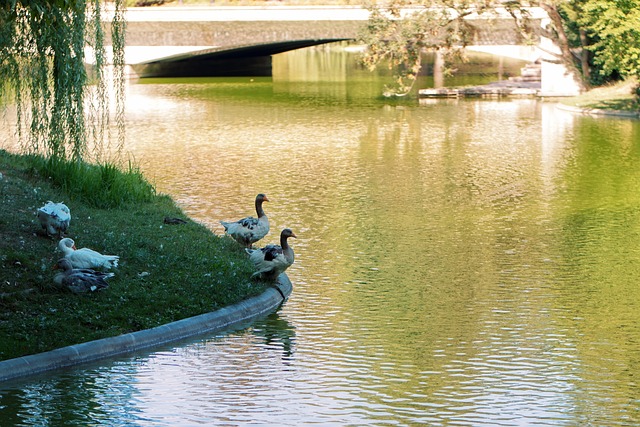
(181, 41)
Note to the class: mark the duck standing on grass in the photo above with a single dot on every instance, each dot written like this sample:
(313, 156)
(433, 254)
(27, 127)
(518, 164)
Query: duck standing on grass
(54, 218)
(249, 230)
(80, 280)
(272, 260)
(85, 257)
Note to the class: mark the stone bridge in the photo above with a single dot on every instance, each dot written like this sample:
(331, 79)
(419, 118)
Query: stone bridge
(239, 41)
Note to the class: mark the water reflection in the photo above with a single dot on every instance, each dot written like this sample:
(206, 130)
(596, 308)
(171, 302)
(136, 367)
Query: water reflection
(70, 399)
(458, 262)
(161, 388)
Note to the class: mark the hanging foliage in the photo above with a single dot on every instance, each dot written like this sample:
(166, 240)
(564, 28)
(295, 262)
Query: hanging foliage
(400, 30)
(62, 103)
(598, 40)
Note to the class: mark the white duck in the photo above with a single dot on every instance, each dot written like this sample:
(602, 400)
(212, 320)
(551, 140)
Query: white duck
(80, 280)
(249, 230)
(54, 218)
(85, 257)
(272, 260)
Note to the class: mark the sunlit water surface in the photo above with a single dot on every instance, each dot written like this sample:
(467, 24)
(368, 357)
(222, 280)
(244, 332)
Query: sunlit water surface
(457, 263)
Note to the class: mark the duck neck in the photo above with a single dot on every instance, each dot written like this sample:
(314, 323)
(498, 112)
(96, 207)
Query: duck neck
(284, 243)
(286, 249)
(259, 209)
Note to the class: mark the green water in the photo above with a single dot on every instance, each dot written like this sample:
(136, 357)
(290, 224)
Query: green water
(458, 262)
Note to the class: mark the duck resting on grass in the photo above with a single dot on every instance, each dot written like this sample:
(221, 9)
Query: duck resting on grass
(85, 257)
(249, 230)
(272, 260)
(54, 218)
(80, 280)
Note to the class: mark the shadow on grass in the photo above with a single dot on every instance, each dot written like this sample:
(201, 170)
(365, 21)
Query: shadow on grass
(614, 104)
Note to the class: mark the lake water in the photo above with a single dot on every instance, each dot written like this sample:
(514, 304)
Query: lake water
(458, 262)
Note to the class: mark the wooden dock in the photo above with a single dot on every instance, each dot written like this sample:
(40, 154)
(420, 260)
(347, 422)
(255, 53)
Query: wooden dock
(486, 91)
(528, 84)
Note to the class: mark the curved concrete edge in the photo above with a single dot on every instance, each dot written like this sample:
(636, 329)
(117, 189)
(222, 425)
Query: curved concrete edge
(91, 351)
(599, 112)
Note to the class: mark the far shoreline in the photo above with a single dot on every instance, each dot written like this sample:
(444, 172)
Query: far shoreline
(599, 101)
(599, 111)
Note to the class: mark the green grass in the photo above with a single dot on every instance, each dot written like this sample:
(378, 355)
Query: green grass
(619, 96)
(101, 186)
(166, 272)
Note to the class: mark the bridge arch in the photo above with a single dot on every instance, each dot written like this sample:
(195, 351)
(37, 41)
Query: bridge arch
(232, 61)
(239, 41)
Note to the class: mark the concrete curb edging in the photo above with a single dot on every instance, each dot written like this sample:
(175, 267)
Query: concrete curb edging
(134, 341)
(598, 112)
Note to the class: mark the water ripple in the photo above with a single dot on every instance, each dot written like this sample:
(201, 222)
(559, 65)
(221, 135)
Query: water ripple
(465, 263)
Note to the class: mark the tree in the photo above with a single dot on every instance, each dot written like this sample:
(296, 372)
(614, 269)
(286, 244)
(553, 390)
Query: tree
(588, 33)
(43, 70)
(397, 36)
(613, 27)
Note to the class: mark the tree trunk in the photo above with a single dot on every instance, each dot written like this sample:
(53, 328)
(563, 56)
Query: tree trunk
(584, 57)
(563, 43)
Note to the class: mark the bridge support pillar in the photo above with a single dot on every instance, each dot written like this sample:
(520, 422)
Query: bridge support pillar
(438, 70)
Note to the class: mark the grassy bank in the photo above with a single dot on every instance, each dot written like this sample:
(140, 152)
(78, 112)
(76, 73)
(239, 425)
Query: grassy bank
(166, 273)
(619, 96)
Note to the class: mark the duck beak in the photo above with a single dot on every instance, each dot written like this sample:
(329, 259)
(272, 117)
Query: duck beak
(266, 199)
(294, 235)
(74, 248)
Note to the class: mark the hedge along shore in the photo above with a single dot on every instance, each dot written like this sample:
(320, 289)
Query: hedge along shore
(92, 351)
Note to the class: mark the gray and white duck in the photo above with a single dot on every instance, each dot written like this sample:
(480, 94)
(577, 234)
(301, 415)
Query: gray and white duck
(54, 218)
(249, 230)
(273, 260)
(80, 280)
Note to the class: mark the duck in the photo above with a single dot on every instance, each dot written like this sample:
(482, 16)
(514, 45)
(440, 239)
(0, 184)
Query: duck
(85, 257)
(272, 260)
(249, 230)
(54, 218)
(80, 280)
(174, 221)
